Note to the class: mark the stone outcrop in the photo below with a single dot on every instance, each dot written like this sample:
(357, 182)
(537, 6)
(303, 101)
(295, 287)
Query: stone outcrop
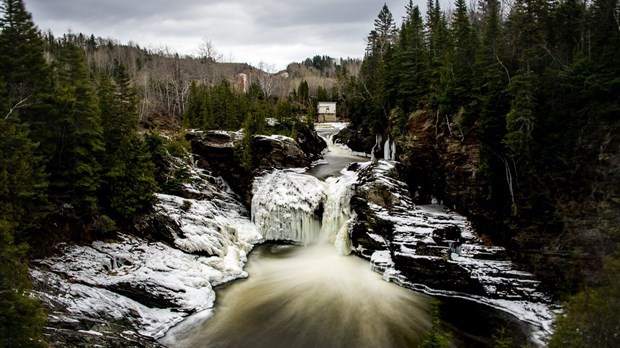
(129, 290)
(215, 150)
(432, 249)
(356, 140)
(442, 163)
(311, 143)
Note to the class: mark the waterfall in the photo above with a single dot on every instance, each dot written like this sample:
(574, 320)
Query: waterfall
(338, 213)
(286, 207)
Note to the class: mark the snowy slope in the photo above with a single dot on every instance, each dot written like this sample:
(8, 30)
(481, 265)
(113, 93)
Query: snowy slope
(153, 286)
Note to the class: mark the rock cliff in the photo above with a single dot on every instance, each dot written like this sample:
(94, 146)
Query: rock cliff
(432, 249)
(215, 150)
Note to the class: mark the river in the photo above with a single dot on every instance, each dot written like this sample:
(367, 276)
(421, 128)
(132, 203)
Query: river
(316, 295)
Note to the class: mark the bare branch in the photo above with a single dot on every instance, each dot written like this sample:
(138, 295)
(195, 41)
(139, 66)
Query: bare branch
(503, 66)
(16, 106)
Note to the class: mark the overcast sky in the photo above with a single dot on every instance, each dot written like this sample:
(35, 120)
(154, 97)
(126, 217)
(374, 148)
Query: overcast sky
(275, 32)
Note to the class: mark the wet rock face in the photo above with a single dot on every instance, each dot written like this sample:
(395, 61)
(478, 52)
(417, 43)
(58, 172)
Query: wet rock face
(356, 140)
(442, 163)
(311, 144)
(428, 247)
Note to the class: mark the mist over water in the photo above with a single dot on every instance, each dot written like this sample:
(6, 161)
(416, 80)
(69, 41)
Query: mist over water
(310, 297)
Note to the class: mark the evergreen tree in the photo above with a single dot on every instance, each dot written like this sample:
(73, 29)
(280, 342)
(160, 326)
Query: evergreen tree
(193, 118)
(463, 58)
(23, 204)
(75, 166)
(373, 78)
(411, 53)
(491, 80)
(21, 60)
(591, 316)
(129, 178)
(303, 92)
(21, 317)
(23, 198)
(130, 181)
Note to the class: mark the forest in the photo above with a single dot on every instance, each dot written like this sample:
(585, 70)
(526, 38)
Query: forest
(535, 83)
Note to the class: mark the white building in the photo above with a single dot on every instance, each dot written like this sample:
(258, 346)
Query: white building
(327, 112)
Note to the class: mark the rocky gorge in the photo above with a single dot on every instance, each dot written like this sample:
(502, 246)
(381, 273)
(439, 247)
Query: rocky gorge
(134, 288)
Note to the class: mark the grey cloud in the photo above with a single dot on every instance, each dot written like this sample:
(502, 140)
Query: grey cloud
(279, 29)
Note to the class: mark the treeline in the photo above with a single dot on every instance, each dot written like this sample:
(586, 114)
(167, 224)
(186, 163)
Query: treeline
(536, 84)
(71, 159)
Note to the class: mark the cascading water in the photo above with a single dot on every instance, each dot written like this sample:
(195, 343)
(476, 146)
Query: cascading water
(311, 296)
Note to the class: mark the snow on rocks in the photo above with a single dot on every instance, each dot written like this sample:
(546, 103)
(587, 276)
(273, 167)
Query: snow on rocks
(151, 286)
(436, 251)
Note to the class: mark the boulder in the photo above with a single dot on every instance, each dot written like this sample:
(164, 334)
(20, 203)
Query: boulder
(278, 152)
(311, 143)
(356, 140)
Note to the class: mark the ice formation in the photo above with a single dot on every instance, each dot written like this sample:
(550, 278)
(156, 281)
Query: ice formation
(285, 205)
(387, 155)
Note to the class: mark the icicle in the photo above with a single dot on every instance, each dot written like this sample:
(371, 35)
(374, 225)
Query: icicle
(393, 158)
(386, 150)
(378, 140)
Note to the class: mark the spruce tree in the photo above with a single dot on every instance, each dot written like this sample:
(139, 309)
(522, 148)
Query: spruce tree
(129, 178)
(23, 204)
(21, 317)
(21, 57)
(411, 53)
(193, 118)
(463, 57)
(75, 166)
